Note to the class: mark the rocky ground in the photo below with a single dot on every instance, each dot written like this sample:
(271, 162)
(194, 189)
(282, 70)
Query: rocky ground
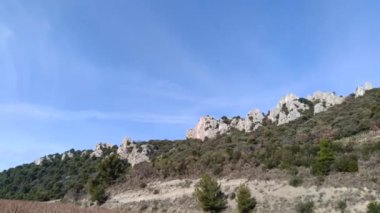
(271, 195)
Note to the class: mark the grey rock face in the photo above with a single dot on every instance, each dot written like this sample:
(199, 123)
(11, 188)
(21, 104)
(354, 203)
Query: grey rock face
(209, 127)
(67, 155)
(324, 100)
(134, 153)
(49, 158)
(39, 161)
(98, 152)
(288, 109)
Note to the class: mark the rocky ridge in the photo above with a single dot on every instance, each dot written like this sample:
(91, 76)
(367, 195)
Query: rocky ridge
(287, 109)
(135, 153)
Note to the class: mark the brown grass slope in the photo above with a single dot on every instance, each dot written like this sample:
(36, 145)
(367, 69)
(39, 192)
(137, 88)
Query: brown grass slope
(13, 206)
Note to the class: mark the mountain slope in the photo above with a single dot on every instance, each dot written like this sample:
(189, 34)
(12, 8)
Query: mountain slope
(293, 148)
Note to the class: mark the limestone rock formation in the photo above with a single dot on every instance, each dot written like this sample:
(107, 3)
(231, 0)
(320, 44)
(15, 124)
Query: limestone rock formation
(45, 158)
(360, 91)
(254, 119)
(209, 127)
(98, 152)
(288, 109)
(67, 154)
(324, 100)
(39, 161)
(133, 152)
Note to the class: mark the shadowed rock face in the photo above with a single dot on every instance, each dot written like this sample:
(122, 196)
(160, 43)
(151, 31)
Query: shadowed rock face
(287, 109)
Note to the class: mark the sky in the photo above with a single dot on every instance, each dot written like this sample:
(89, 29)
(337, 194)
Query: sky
(75, 73)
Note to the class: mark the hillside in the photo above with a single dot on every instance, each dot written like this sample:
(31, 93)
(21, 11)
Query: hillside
(284, 154)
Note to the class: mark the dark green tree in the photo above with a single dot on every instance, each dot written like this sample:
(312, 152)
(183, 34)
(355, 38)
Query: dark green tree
(111, 168)
(96, 189)
(245, 202)
(325, 158)
(209, 195)
(373, 207)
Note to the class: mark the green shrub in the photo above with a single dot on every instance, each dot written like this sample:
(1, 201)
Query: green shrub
(209, 195)
(305, 207)
(96, 189)
(373, 207)
(342, 205)
(111, 168)
(325, 159)
(346, 163)
(295, 181)
(245, 202)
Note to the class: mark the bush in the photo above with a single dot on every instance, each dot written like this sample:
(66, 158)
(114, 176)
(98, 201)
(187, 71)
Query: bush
(295, 181)
(305, 207)
(245, 202)
(347, 163)
(209, 195)
(96, 189)
(325, 159)
(342, 205)
(112, 168)
(373, 207)
(143, 185)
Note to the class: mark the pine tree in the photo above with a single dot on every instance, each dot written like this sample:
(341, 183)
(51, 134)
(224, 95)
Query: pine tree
(209, 195)
(245, 202)
(325, 159)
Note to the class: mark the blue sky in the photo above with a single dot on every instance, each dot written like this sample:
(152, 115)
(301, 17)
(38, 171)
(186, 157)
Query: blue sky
(74, 73)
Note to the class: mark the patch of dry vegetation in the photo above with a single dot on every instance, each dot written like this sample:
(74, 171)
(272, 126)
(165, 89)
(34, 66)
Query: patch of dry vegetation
(13, 206)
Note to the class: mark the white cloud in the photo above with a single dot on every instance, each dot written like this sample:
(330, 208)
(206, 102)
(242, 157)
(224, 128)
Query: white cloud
(46, 112)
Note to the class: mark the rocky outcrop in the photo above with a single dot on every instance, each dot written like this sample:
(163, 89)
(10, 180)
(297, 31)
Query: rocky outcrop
(39, 161)
(99, 149)
(209, 127)
(289, 108)
(133, 152)
(360, 91)
(67, 154)
(48, 158)
(324, 100)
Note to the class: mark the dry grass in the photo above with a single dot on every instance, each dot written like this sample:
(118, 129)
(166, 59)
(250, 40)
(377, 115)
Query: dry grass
(11, 206)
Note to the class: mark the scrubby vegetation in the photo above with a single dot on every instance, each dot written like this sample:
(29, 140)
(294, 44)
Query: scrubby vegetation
(55, 178)
(296, 144)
